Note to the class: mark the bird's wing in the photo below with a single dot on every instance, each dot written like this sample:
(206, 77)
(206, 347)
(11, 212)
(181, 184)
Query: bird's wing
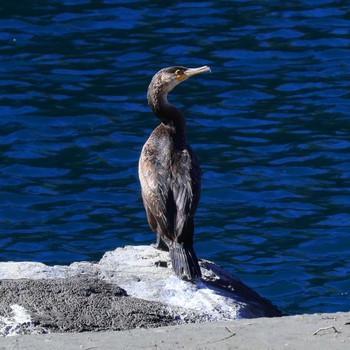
(185, 186)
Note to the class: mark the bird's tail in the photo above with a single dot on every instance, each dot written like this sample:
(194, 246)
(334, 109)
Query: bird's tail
(184, 261)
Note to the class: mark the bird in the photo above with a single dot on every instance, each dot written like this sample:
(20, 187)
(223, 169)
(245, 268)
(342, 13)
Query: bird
(170, 175)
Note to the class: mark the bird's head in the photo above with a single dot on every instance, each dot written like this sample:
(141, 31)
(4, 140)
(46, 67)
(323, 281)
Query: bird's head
(168, 78)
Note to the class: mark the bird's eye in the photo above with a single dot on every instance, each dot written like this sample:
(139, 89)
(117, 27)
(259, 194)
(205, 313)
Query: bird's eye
(178, 72)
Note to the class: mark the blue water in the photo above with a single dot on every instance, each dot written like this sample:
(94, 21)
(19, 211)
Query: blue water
(270, 126)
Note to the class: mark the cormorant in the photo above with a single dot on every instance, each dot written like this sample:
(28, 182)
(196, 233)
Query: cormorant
(169, 174)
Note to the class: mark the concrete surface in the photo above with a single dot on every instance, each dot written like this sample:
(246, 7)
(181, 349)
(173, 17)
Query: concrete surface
(311, 332)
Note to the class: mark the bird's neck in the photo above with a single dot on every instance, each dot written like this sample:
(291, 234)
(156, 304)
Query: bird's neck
(168, 114)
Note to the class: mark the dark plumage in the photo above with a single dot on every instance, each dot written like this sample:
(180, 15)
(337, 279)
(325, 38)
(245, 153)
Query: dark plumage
(170, 175)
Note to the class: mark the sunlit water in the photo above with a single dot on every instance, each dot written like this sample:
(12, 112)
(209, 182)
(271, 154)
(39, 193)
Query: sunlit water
(270, 126)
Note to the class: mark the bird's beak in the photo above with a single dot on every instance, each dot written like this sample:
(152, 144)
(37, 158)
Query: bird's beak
(193, 71)
(189, 72)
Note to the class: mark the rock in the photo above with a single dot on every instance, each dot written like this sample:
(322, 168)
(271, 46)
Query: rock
(128, 288)
(76, 304)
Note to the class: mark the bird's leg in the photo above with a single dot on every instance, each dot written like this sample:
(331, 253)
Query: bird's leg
(160, 244)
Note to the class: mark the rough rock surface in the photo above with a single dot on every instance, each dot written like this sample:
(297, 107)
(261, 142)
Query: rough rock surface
(78, 304)
(130, 287)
